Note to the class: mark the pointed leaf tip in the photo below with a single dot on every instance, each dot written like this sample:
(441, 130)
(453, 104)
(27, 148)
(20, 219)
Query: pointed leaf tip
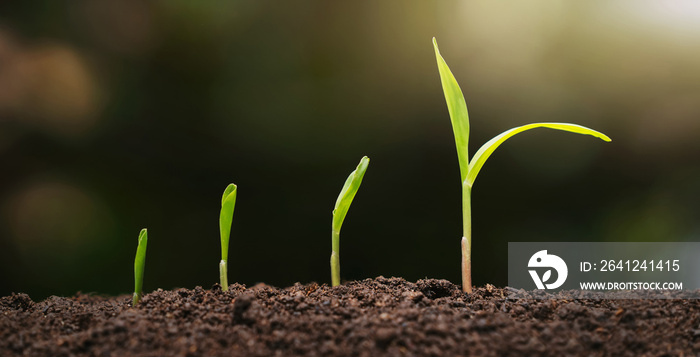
(229, 190)
(142, 234)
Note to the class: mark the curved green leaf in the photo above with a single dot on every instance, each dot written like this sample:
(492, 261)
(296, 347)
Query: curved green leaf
(457, 107)
(487, 149)
(347, 194)
(228, 203)
(139, 265)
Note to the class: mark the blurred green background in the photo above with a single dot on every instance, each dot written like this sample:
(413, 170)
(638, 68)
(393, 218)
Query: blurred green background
(121, 114)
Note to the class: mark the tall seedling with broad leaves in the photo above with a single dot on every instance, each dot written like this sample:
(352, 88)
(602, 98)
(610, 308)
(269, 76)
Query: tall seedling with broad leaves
(459, 116)
(228, 203)
(342, 204)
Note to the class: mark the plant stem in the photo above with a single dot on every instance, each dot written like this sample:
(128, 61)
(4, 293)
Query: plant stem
(335, 258)
(223, 274)
(466, 238)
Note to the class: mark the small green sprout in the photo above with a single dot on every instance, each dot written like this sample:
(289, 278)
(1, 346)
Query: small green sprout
(139, 265)
(228, 202)
(352, 184)
(459, 116)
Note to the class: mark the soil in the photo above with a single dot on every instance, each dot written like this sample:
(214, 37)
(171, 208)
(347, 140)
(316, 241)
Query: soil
(374, 317)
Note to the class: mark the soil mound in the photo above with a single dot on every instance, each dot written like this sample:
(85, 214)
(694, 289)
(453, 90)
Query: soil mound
(373, 317)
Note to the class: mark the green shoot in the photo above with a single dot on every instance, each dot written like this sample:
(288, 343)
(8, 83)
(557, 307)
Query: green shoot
(139, 265)
(352, 184)
(228, 202)
(459, 116)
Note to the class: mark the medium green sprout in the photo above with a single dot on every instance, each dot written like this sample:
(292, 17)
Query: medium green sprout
(459, 116)
(228, 202)
(139, 265)
(352, 184)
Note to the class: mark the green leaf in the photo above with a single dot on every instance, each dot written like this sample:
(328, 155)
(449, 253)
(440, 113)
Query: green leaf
(487, 149)
(457, 107)
(140, 264)
(228, 203)
(140, 260)
(352, 184)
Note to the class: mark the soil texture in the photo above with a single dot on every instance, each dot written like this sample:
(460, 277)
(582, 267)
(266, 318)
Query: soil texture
(374, 317)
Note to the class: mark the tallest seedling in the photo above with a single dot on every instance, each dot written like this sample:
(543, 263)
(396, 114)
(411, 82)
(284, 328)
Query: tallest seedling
(468, 170)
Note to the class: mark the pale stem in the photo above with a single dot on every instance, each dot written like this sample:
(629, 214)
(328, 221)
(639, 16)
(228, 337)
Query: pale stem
(466, 239)
(223, 274)
(335, 258)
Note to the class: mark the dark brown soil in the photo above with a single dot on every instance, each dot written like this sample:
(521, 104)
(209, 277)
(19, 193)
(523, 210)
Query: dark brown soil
(374, 317)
